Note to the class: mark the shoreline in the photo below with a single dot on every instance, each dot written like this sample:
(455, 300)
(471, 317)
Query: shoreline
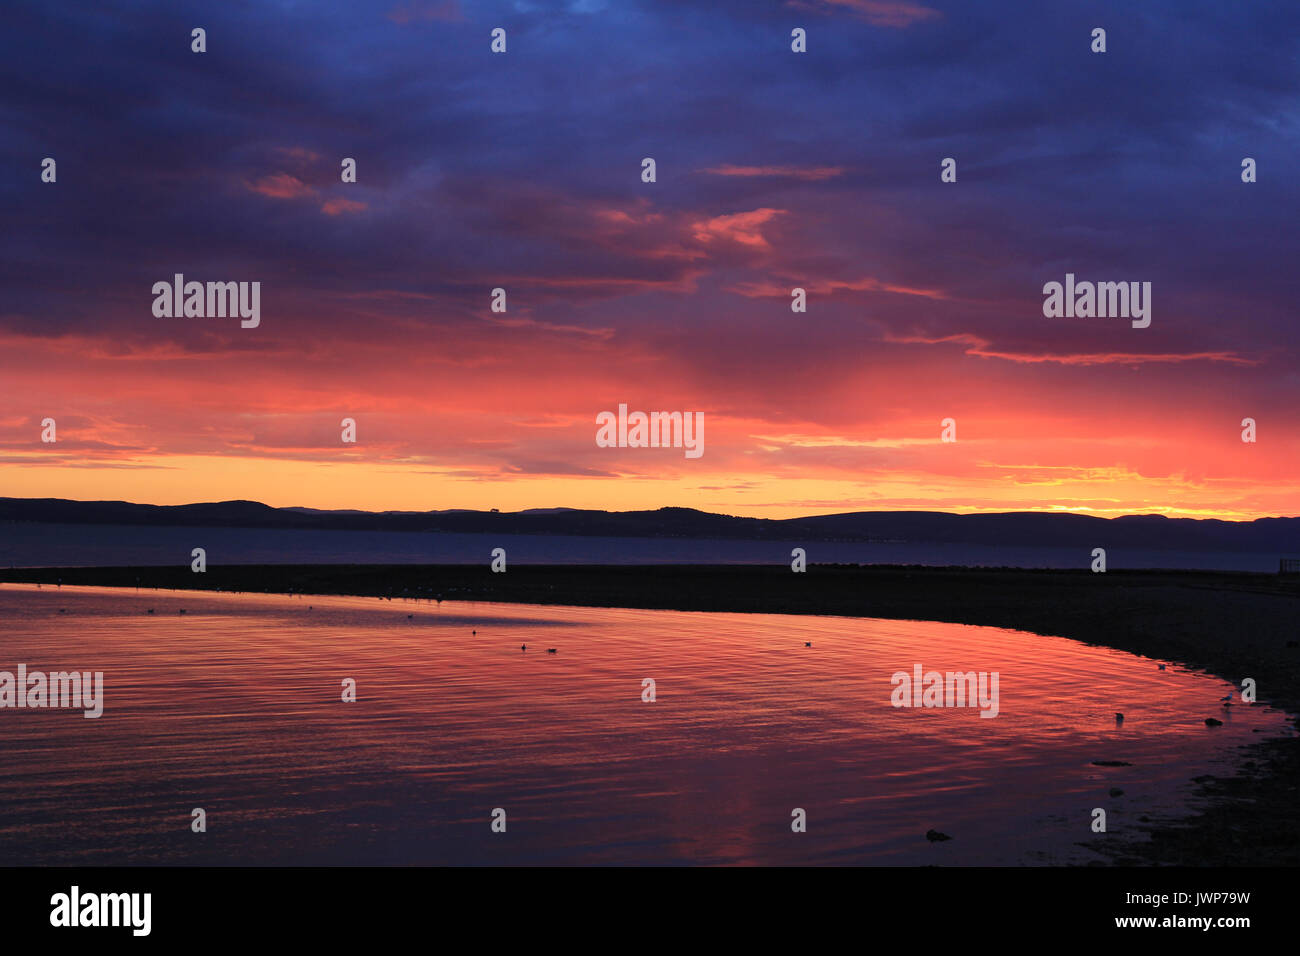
(1231, 624)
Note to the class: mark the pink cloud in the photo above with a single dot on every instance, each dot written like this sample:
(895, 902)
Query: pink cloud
(447, 10)
(881, 13)
(741, 227)
(281, 186)
(334, 207)
(299, 153)
(807, 173)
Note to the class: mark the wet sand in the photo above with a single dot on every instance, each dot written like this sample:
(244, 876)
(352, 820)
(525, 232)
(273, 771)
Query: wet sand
(1234, 625)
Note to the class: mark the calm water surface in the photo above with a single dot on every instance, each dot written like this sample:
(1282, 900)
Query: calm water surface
(235, 707)
(76, 546)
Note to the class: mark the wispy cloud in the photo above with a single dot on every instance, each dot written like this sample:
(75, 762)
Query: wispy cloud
(335, 207)
(881, 13)
(806, 173)
(281, 186)
(742, 227)
(980, 347)
(759, 290)
(417, 11)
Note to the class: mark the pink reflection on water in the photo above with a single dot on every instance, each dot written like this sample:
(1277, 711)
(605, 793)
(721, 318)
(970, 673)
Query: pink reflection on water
(235, 707)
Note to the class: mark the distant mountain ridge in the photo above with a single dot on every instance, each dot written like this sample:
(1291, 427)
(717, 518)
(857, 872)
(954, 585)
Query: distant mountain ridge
(1281, 535)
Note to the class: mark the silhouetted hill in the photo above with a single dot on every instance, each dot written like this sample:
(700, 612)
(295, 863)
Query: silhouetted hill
(1280, 535)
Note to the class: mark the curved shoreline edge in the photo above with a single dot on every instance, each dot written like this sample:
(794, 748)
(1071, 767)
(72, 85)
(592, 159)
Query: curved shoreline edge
(1232, 625)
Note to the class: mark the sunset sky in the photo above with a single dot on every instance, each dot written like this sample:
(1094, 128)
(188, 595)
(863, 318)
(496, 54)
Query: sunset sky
(774, 170)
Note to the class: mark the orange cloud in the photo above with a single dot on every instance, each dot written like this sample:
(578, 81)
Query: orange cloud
(761, 290)
(980, 347)
(1116, 358)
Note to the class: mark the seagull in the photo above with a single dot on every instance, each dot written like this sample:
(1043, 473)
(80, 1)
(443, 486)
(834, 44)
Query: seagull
(1228, 696)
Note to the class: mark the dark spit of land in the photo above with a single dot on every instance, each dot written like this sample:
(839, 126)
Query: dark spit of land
(1234, 625)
